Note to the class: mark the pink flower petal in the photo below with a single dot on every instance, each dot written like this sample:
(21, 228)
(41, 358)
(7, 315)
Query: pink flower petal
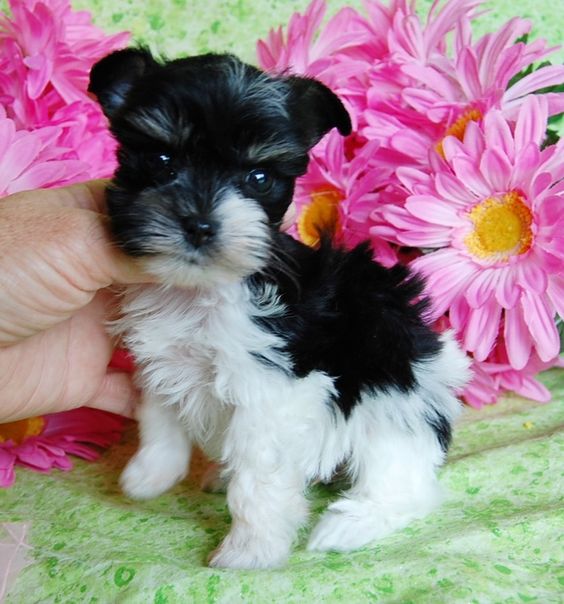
(453, 190)
(495, 45)
(17, 158)
(482, 329)
(540, 184)
(517, 338)
(412, 178)
(526, 160)
(452, 147)
(431, 209)
(467, 68)
(498, 134)
(556, 294)
(411, 143)
(534, 390)
(482, 288)
(432, 78)
(466, 171)
(474, 142)
(82, 421)
(32, 454)
(550, 210)
(447, 275)
(7, 463)
(531, 122)
(496, 168)
(507, 292)
(420, 100)
(550, 75)
(459, 312)
(539, 319)
(7, 132)
(482, 389)
(41, 71)
(531, 277)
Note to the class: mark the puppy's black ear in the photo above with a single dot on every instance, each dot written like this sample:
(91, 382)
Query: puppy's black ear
(113, 76)
(317, 109)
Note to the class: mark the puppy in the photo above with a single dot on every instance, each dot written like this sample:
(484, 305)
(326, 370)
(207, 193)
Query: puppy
(281, 362)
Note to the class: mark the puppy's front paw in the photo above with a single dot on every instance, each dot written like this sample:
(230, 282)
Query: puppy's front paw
(248, 554)
(147, 476)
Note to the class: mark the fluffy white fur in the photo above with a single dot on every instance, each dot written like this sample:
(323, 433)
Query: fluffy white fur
(244, 249)
(197, 351)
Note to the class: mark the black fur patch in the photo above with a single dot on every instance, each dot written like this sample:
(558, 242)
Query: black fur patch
(350, 317)
(442, 429)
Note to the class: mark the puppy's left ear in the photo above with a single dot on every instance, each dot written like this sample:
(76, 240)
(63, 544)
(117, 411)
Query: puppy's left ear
(317, 110)
(112, 77)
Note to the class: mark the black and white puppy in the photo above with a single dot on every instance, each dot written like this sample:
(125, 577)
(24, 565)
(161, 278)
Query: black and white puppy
(281, 362)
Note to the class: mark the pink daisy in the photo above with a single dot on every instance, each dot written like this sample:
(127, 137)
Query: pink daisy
(337, 196)
(309, 49)
(43, 443)
(47, 53)
(439, 95)
(494, 209)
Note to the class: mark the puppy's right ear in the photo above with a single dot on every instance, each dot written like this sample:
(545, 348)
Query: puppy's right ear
(113, 77)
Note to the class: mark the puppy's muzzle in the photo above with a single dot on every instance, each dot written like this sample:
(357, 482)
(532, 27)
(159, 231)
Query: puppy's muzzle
(198, 231)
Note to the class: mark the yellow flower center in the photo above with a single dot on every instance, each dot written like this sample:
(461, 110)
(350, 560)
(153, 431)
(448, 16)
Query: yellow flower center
(459, 127)
(320, 216)
(502, 227)
(22, 429)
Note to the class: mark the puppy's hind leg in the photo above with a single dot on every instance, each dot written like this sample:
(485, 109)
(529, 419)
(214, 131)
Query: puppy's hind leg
(164, 452)
(393, 467)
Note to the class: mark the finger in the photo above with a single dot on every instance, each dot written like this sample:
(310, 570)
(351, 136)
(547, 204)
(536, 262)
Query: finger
(90, 195)
(116, 394)
(105, 261)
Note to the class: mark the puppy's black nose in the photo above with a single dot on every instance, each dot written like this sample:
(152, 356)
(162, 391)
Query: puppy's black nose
(197, 231)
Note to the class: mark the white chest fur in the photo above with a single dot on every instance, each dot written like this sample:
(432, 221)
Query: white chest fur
(197, 350)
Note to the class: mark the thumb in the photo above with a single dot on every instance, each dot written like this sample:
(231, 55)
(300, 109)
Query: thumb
(103, 261)
(116, 394)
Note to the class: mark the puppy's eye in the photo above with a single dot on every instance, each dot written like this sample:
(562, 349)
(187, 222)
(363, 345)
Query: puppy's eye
(259, 181)
(161, 166)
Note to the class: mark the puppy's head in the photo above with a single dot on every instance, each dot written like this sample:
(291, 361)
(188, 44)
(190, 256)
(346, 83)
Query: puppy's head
(209, 149)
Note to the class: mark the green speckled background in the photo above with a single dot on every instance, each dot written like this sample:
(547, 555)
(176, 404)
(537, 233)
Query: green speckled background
(176, 27)
(497, 538)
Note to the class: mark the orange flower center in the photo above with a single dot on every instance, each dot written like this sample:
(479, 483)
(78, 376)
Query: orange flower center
(459, 127)
(22, 429)
(502, 227)
(320, 216)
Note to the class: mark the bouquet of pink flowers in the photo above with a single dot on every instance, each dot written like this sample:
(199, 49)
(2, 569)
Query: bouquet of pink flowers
(451, 167)
(52, 134)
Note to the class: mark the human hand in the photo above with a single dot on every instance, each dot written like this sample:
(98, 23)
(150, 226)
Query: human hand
(56, 263)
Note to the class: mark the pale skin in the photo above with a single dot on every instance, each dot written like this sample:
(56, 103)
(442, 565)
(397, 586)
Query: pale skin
(59, 275)
(58, 271)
